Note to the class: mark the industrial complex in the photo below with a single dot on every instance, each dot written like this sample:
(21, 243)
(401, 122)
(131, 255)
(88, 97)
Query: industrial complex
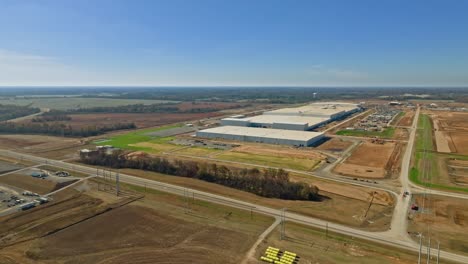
(263, 135)
(286, 126)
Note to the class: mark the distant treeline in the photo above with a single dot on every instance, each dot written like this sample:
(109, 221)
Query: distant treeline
(271, 183)
(286, 94)
(57, 129)
(8, 112)
(51, 118)
(139, 108)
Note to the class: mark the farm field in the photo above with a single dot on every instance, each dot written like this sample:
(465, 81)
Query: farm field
(434, 169)
(36, 143)
(298, 159)
(335, 145)
(335, 205)
(368, 160)
(446, 220)
(141, 120)
(157, 227)
(451, 131)
(317, 246)
(76, 102)
(142, 140)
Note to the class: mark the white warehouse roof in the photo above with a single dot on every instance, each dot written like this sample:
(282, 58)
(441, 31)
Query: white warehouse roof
(326, 109)
(264, 133)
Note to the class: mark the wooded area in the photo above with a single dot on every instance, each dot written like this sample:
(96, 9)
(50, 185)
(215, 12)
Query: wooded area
(8, 112)
(271, 183)
(57, 129)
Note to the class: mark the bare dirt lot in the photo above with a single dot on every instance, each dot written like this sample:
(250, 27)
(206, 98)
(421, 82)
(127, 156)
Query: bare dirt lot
(369, 160)
(460, 142)
(335, 145)
(451, 131)
(407, 119)
(445, 220)
(40, 186)
(96, 227)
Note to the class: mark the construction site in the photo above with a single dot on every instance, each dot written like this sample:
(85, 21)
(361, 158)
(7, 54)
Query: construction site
(357, 178)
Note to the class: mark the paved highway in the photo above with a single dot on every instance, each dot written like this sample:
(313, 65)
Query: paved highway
(386, 238)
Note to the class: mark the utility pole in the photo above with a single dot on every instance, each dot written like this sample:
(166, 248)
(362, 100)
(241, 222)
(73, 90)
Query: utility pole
(117, 187)
(420, 248)
(283, 220)
(429, 251)
(326, 230)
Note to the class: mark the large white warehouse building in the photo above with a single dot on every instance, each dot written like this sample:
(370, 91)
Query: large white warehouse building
(287, 126)
(262, 135)
(302, 118)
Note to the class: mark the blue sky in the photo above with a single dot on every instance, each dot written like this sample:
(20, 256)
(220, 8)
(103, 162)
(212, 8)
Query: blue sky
(234, 42)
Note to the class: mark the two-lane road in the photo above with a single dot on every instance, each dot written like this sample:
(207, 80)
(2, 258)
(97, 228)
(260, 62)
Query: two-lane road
(386, 238)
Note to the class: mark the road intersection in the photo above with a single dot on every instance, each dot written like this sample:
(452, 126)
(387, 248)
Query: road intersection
(396, 236)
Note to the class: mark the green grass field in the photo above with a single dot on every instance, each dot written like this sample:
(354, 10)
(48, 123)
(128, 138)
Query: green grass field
(386, 133)
(128, 141)
(77, 102)
(425, 171)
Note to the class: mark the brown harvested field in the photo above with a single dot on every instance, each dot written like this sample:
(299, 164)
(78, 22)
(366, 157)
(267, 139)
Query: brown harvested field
(155, 229)
(350, 191)
(141, 120)
(279, 151)
(335, 145)
(40, 186)
(451, 131)
(315, 246)
(460, 142)
(346, 208)
(369, 160)
(457, 171)
(188, 106)
(141, 235)
(446, 219)
(33, 143)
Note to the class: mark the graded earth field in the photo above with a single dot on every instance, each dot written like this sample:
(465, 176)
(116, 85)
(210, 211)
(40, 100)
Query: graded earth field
(369, 160)
(97, 227)
(444, 219)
